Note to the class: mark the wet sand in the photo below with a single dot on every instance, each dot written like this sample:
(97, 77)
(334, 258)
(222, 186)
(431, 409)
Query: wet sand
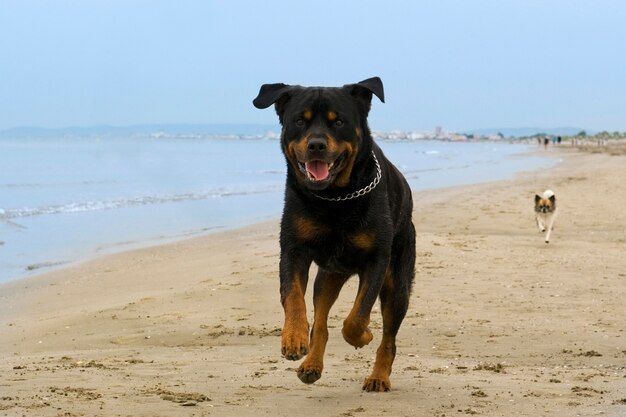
(500, 324)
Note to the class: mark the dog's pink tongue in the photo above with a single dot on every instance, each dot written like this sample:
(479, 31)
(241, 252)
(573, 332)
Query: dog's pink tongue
(318, 169)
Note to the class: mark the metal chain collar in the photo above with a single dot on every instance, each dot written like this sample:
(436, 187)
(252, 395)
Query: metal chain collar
(365, 190)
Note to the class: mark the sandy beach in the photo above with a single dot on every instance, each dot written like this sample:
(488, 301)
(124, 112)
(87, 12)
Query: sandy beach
(500, 324)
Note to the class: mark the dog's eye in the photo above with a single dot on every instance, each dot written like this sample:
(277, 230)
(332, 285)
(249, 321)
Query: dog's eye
(300, 122)
(338, 122)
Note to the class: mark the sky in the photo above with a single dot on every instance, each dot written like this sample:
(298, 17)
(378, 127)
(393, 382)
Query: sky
(458, 64)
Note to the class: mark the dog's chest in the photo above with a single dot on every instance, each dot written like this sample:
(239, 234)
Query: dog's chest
(344, 252)
(341, 249)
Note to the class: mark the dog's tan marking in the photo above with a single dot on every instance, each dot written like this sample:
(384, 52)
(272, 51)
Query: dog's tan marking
(364, 240)
(298, 148)
(331, 116)
(343, 178)
(307, 229)
(295, 151)
(332, 144)
(340, 148)
(308, 115)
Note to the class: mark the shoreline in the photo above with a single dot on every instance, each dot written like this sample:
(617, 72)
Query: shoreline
(499, 322)
(64, 254)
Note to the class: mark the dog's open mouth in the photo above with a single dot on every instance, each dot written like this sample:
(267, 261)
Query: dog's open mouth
(318, 170)
(320, 173)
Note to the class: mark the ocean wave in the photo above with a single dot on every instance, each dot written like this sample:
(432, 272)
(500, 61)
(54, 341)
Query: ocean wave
(57, 184)
(88, 206)
(406, 171)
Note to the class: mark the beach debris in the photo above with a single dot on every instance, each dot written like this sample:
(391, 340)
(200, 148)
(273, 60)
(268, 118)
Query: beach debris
(493, 367)
(40, 265)
(185, 399)
(80, 392)
(586, 391)
(479, 393)
(590, 354)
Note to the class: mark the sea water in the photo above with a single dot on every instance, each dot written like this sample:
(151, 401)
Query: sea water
(67, 199)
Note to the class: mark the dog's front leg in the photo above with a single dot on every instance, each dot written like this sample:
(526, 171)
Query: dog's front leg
(293, 281)
(540, 223)
(325, 293)
(355, 327)
(550, 226)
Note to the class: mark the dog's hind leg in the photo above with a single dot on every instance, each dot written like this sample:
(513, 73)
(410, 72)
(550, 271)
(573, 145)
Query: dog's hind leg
(325, 293)
(394, 300)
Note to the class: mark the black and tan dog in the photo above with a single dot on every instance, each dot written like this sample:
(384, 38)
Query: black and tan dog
(348, 209)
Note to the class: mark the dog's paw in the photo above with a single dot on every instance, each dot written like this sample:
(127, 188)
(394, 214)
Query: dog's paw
(376, 384)
(309, 373)
(295, 351)
(295, 342)
(356, 336)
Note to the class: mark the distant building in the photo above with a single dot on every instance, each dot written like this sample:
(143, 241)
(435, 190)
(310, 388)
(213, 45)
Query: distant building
(438, 131)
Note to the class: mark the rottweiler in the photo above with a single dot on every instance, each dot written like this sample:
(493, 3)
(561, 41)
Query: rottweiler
(348, 209)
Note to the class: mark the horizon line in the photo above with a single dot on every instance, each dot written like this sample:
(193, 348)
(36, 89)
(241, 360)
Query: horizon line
(252, 124)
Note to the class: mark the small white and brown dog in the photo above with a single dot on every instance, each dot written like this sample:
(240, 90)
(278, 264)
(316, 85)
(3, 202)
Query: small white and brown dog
(545, 212)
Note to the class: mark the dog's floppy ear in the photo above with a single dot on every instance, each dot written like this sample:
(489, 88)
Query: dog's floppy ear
(270, 94)
(363, 90)
(373, 85)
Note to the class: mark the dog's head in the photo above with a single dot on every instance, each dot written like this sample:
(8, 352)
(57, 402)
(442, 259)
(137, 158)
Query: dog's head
(324, 128)
(545, 203)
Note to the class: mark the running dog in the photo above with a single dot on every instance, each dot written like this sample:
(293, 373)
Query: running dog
(346, 208)
(545, 212)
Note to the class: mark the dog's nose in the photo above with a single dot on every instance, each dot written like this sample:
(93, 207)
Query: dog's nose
(317, 145)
